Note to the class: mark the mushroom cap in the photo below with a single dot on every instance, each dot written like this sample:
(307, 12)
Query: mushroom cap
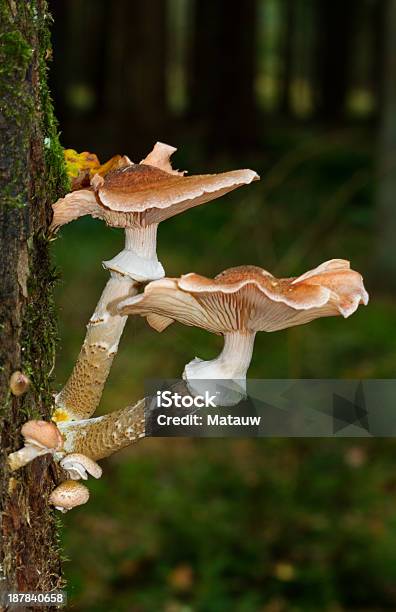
(68, 495)
(42, 433)
(140, 188)
(250, 299)
(80, 464)
(19, 383)
(146, 193)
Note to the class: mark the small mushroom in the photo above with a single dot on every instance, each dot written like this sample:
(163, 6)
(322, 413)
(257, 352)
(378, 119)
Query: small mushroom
(41, 438)
(136, 197)
(79, 466)
(68, 495)
(19, 383)
(241, 301)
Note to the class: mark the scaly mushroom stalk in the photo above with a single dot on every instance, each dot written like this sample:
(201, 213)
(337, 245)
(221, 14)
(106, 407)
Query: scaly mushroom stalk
(82, 392)
(78, 444)
(102, 436)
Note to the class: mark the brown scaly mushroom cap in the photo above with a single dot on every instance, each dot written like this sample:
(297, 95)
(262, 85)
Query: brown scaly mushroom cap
(41, 438)
(68, 495)
(139, 196)
(242, 301)
(43, 434)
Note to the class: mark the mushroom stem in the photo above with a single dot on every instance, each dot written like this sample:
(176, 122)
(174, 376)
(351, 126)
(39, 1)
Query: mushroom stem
(102, 436)
(139, 257)
(233, 361)
(25, 455)
(231, 365)
(82, 392)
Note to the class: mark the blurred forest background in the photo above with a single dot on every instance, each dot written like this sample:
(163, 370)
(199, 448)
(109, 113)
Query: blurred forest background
(304, 92)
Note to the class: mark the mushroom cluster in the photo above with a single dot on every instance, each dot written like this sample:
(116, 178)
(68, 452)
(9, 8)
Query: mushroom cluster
(236, 304)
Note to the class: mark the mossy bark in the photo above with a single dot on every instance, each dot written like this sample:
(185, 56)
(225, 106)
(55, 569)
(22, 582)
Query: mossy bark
(31, 178)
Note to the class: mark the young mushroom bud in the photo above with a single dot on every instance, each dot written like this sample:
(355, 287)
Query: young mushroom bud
(68, 495)
(19, 383)
(41, 438)
(79, 466)
(136, 197)
(241, 301)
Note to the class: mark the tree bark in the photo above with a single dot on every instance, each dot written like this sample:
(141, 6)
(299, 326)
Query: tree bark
(31, 178)
(386, 193)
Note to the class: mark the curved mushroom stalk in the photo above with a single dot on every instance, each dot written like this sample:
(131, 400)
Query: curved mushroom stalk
(102, 436)
(224, 376)
(82, 392)
(41, 438)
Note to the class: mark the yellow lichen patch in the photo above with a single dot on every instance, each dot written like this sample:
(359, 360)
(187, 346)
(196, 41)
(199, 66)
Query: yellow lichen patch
(81, 167)
(60, 416)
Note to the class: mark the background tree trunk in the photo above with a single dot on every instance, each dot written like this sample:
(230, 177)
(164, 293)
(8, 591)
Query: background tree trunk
(288, 14)
(335, 31)
(386, 205)
(223, 71)
(31, 177)
(136, 74)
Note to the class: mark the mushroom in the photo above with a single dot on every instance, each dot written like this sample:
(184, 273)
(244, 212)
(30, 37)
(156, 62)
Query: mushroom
(41, 438)
(241, 301)
(77, 466)
(136, 197)
(68, 495)
(19, 383)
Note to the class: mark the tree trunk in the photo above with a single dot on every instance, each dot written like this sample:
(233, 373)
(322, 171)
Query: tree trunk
(136, 74)
(31, 177)
(223, 70)
(335, 31)
(386, 194)
(288, 10)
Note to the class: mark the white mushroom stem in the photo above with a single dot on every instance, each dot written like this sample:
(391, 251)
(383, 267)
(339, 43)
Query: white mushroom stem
(231, 365)
(139, 257)
(82, 392)
(25, 455)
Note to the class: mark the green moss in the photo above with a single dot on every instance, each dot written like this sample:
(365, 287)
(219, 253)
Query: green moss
(34, 177)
